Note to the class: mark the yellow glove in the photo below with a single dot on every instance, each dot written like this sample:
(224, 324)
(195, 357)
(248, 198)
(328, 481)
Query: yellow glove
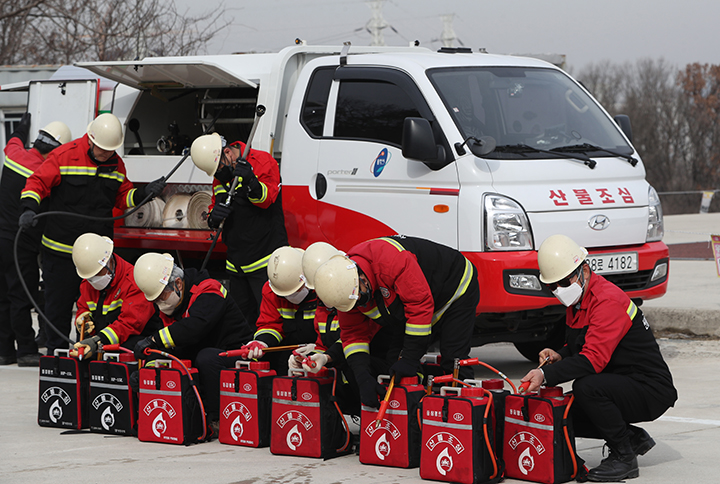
(90, 346)
(86, 318)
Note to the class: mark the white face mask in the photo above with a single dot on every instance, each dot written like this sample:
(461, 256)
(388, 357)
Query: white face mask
(168, 305)
(569, 295)
(100, 282)
(298, 296)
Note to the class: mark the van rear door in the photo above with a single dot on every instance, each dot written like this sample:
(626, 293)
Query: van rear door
(74, 102)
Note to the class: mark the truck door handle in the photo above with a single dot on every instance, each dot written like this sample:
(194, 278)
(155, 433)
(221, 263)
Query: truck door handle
(320, 186)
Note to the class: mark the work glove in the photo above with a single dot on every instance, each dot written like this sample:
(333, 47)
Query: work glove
(23, 129)
(142, 345)
(247, 179)
(27, 219)
(219, 213)
(369, 390)
(90, 345)
(295, 362)
(84, 318)
(255, 349)
(299, 354)
(319, 359)
(405, 367)
(155, 188)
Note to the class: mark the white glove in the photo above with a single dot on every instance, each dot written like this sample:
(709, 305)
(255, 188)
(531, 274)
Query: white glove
(255, 348)
(294, 364)
(86, 318)
(320, 360)
(305, 349)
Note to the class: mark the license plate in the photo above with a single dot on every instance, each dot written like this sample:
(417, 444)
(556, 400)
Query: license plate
(615, 263)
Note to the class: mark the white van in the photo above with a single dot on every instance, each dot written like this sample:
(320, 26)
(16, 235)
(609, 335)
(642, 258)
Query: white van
(488, 154)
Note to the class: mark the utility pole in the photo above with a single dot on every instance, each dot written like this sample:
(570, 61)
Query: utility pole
(377, 23)
(448, 36)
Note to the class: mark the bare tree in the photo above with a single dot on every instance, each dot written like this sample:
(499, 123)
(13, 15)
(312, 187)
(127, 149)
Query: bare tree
(66, 31)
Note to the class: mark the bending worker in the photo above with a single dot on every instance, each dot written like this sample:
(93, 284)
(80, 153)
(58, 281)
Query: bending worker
(87, 177)
(611, 353)
(254, 221)
(111, 308)
(200, 321)
(428, 289)
(15, 318)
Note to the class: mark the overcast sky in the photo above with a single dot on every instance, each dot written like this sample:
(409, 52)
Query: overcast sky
(585, 31)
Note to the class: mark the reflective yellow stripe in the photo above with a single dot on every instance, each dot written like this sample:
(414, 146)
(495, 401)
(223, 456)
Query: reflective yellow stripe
(57, 246)
(92, 305)
(263, 197)
(632, 310)
(30, 194)
(374, 313)
(393, 242)
(166, 338)
(17, 168)
(289, 313)
(78, 170)
(353, 348)
(115, 175)
(335, 325)
(261, 264)
(111, 335)
(130, 197)
(269, 331)
(229, 266)
(112, 306)
(321, 327)
(223, 291)
(462, 287)
(219, 189)
(418, 329)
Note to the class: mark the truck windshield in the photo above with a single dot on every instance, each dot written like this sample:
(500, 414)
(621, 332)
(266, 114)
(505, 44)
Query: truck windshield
(536, 107)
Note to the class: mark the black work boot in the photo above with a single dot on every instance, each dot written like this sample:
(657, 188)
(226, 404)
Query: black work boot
(620, 464)
(641, 442)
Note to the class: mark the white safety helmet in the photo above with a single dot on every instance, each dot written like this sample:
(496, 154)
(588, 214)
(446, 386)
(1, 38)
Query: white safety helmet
(152, 273)
(284, 270)
(58, 131)
(90, 253)
(316, 255)
(206, 151)
(558, 257)
(106, 132)
(337, 284)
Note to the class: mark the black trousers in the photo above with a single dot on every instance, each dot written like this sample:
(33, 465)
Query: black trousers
(606, 404)
(246, 291)
(455, 328)
(15, 317)
(62, 289)
(209, 365)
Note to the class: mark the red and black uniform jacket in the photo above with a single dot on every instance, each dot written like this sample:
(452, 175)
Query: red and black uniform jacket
(74, 183)
(19, 165)
(609, 334)
(121, 309)
(414, 281)
(256, 226)
(206, 318)
(282, 321)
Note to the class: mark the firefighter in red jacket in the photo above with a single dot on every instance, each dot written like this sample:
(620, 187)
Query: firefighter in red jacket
(86, 177)
(429, 290)
(287, 311)
(200, 321)
(620, 376)
(15, 318)
(111, 308)
(254, 221)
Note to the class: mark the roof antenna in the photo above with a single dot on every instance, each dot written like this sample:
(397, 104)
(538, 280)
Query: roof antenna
(344, 53)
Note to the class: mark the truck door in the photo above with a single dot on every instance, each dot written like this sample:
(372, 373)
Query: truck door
(74, 102)
(367, 188)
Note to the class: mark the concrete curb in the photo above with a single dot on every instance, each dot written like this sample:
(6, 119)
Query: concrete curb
(695, 321)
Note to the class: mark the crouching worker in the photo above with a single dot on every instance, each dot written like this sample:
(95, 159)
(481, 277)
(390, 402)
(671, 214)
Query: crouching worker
(200, 321)
(611, 353)
(287, 310)
(111, 309)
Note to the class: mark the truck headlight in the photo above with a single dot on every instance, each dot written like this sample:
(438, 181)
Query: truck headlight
(506, 224)
(655, 229)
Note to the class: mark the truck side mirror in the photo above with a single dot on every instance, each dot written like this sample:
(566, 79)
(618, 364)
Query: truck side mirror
(623, 120)
(418, 143)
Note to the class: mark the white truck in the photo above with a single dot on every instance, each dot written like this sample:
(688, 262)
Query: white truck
(488, 154)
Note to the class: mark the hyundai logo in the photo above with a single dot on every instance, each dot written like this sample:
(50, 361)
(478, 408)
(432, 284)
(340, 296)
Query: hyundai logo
(599, 222)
